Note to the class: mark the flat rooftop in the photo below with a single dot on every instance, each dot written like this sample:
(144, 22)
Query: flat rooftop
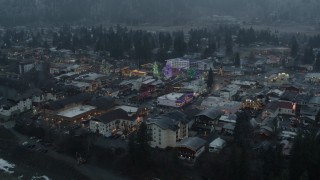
(76, 111)
(90, 76)
(128, 109)
(79, 84)
(172, 96)
(69, 74)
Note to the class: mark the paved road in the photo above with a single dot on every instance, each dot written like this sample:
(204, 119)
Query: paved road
(88, 170)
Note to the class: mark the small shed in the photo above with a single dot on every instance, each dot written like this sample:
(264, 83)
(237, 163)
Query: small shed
(217, 145)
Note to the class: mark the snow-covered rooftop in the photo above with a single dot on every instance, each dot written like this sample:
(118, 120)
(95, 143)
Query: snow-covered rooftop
(75, 111)
(90, 76)
(128, 109)
(171, 96)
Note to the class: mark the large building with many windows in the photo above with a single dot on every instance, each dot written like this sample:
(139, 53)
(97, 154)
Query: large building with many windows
(168, 129)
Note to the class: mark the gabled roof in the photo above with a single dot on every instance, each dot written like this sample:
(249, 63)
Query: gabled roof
(288, 96)
(178, 115)
(166, 123)
(272, 106)
(170, 120)
(114, 115)
(315, 100)
(217, 142)
(193, 143)
(212, 113)
(300, 98)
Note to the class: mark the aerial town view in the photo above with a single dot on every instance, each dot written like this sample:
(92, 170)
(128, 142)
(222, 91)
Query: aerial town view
(159, 90)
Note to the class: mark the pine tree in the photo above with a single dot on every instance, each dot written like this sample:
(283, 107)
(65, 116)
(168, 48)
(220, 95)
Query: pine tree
(229, 44)
(317, 63)
(237, 62)
(243, 130)
(138, 147)
(294, 46)
(210, 79)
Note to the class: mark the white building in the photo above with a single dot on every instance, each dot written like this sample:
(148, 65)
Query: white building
(15, 106)
(287, 108)
(113, 121)
(40, 97)
(179, 63)
(175, 99)
(166, 130)
(26, 66)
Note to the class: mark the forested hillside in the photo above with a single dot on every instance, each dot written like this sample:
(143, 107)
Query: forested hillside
(15, 12)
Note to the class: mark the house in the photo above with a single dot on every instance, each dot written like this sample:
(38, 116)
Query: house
(228, 128)
(14, 106)
(64, 110)
(63, 68)
(309, 114)
(271, 110)
(166, 130)
(93, 79)
(229, 107)
(314, 101)
(292, 88)
(26, 66)
(229, 91)
(312, 77)
(217, 145)
(301, 101)
(191, 148)
(196, 87)
(288, 96)
(207, 120)
(274, 94)
(268, 126)
(251, 102)
(115, 120)
(287, 108)
(175, 99)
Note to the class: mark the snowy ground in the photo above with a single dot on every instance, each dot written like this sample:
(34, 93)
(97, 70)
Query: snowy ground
(40, 178)
(6, 166)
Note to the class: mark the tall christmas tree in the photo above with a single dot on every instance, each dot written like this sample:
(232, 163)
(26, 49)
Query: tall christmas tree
(155, 70)
(191, 73)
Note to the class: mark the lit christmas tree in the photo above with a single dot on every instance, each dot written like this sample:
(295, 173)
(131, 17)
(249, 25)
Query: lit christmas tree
(191, 73)
(155, 70)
